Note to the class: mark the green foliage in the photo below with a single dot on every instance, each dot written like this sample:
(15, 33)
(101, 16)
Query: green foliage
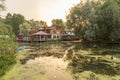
(7, 44)
(6, 61)
(82, 18)
(109, 19)
(5, 29)
(2, 5)
(58, 23)
(7, 48)
(38, 24)
(52, 41)
(95, 20)
(14, 20)
(43, 24)
(25, 28)
(33, 23)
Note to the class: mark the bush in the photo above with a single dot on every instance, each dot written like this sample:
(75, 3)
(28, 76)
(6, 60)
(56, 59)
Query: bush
(6, 61)
(7, 48)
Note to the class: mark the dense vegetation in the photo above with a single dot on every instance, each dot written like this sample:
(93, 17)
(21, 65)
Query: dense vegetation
(6, 62)
(96, 20)
(7, 48)
(7, 45)
(10, 27)
(24, 27)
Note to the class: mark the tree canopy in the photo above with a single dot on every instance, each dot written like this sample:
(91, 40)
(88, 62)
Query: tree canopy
(58, 23)
(43, 24)
(5, 29)
(25, 28)
(14, 20)
(97, 20)
(2, 5)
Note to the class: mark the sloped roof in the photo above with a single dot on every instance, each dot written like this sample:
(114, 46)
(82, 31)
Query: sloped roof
(41, 33)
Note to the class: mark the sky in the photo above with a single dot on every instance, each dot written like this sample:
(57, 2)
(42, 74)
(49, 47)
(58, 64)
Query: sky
(45, 10)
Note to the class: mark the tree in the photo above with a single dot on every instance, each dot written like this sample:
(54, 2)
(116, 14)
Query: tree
(2, 6)
(8, 19)
(82, 18)
(32, 22)
(17, 20)
(58, 23)
(42, 24)
(95, 20)
(14, 20)
(109, 20)
(25, 28)
(5, 29)
(7, 45)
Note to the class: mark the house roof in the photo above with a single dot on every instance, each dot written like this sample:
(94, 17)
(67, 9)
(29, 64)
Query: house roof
(41, 33)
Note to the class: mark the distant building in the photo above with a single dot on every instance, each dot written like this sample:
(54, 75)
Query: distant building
(19, 38)
(40, 36)
(47, 33)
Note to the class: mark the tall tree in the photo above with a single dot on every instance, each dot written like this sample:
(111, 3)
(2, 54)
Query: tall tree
(2, 6)
(8, 19)
(43, 24)
(82, 18)
(109, 19)
(95, 20)
(25, 28)
(14, 20)
(7, 44)
(58, 23)
(17, 20)
(32, 22)
(4, 29)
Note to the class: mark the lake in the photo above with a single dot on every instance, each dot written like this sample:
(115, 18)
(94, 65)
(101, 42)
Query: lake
(66, 61)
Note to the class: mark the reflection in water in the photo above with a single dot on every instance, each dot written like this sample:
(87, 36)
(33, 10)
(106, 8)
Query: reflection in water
(83, 63)
(97, 59)
(81, 57)
(69, 53)
(50, 57)
(55, 68)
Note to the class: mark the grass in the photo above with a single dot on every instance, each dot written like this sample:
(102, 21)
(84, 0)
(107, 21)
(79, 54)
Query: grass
(6, 62)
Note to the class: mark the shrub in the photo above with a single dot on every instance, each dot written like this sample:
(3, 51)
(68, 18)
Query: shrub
(6, 61)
